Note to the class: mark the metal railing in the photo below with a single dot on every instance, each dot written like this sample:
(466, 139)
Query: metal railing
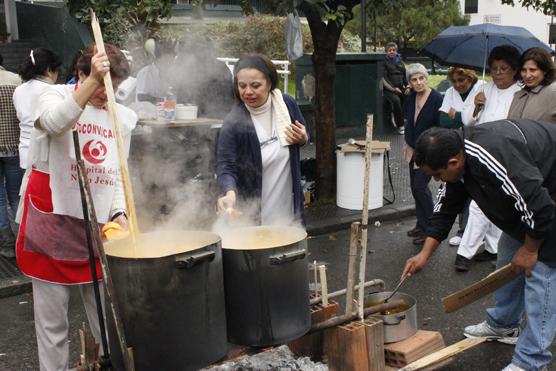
(282, 67)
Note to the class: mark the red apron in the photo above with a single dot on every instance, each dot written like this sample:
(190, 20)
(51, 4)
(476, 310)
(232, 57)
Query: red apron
(51, 247)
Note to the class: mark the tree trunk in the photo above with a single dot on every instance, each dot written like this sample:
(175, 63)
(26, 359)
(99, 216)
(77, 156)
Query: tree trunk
(325, 42)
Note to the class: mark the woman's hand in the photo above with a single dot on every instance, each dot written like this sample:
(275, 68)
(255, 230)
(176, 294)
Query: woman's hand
(100, 66)
(296, 133)
(452, 113)
(122, 221)
(227, 202)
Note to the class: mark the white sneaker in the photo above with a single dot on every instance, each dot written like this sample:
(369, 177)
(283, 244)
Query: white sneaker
(502, 335)
(513, 367)
(455, 241)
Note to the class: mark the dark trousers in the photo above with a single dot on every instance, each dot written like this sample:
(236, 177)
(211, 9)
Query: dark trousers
(419, 182)
(395, 103)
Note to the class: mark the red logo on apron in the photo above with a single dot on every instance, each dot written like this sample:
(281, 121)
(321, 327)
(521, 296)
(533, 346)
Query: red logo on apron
(94, 151)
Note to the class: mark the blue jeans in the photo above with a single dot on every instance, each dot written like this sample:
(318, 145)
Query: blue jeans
(10, 182)
(537, 295)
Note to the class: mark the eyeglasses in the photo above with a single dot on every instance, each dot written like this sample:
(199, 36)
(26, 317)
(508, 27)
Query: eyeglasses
(499, 70)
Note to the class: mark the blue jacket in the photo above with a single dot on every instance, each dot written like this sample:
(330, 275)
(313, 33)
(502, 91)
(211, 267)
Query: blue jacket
(428, 117)
(238, 155)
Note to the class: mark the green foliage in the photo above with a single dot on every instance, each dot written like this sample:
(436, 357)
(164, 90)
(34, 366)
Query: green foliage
(256, 34)
(121, 18)
(547, 7)
(410, 23)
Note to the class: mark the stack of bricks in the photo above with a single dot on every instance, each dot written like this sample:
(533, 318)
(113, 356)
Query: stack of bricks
(413, 348)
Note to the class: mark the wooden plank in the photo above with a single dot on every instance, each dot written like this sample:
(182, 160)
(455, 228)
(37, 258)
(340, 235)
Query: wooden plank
(443, 354)
(468, 295)
(323, 285)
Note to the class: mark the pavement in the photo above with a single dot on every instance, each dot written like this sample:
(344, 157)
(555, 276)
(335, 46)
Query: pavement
(321, 217)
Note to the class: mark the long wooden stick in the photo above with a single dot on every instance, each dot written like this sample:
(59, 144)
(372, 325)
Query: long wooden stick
(353, 244)
(124, 171)
(323, 285)
(335, 294)
(335, 321)
(365, 218)
(443, 354)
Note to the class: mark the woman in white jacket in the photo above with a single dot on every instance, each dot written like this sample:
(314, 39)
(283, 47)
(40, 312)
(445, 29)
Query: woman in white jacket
(51, 247)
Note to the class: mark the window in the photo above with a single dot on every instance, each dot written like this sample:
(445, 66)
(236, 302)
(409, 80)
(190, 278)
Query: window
(471, 6)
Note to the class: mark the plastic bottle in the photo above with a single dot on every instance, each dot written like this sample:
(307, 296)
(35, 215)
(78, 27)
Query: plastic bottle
(170, 105)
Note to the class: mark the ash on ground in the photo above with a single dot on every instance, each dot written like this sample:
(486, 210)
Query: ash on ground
(279, 359)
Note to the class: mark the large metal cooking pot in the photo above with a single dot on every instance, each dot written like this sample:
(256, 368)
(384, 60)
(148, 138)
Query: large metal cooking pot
(399, 323)
(267, 285)
(170, 293)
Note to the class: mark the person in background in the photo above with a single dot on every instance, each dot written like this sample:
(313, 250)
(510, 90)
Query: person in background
(465, 85)
(537, 99)
(507, 168)
(153, 80)
(421, 111)
(51, 246)
(492, 102)
(39, 70)
(10, 173)
(253, 164)
(395, 84)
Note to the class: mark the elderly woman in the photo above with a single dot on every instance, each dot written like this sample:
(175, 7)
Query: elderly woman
(421, 112)
(51, 247)
(258, 147)
(537, 99)
(492, 102)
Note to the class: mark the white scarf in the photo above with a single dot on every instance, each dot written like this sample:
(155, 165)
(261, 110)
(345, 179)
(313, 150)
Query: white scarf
(281, 115)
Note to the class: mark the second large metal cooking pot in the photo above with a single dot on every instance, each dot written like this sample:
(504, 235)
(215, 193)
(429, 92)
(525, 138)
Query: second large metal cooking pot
(400, 323)
(266, 284)
(169, 290)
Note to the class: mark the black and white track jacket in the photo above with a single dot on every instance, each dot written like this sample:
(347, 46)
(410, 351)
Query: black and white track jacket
(510, 172)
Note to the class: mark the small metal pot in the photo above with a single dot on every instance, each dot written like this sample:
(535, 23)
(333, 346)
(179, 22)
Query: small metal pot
(400, 325)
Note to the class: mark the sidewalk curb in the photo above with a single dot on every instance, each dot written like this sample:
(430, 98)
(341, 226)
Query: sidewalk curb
(14, 286)
(338, 223)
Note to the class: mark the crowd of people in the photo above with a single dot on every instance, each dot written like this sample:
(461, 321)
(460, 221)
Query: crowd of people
(491, 143)
(492, 146)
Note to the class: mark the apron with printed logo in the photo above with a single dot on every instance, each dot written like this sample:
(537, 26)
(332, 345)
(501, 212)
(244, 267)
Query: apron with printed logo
(51, 244)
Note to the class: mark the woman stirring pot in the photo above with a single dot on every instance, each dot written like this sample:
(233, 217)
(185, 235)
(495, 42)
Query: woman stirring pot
(253, 163)
(51, 247)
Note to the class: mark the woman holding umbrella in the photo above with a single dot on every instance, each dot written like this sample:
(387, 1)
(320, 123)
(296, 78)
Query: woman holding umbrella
(536, 100)
(492, 103)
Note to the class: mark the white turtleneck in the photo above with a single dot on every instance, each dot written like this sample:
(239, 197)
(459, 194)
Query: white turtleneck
(277, 194)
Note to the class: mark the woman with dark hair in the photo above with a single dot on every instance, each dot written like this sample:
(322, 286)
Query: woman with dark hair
(537, 99)
(39, 70)
(258, 147)
(51, 247)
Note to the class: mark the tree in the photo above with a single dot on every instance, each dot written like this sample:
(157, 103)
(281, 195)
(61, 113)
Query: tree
(409, 22)
(139, 15)
(547, 7)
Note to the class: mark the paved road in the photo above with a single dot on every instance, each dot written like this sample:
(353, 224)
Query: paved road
(388, 249)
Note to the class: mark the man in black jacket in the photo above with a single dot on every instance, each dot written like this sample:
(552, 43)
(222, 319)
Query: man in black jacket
(509, 168)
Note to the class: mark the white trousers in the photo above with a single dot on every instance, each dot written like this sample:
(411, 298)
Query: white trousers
(50, 303)
(478, 230)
